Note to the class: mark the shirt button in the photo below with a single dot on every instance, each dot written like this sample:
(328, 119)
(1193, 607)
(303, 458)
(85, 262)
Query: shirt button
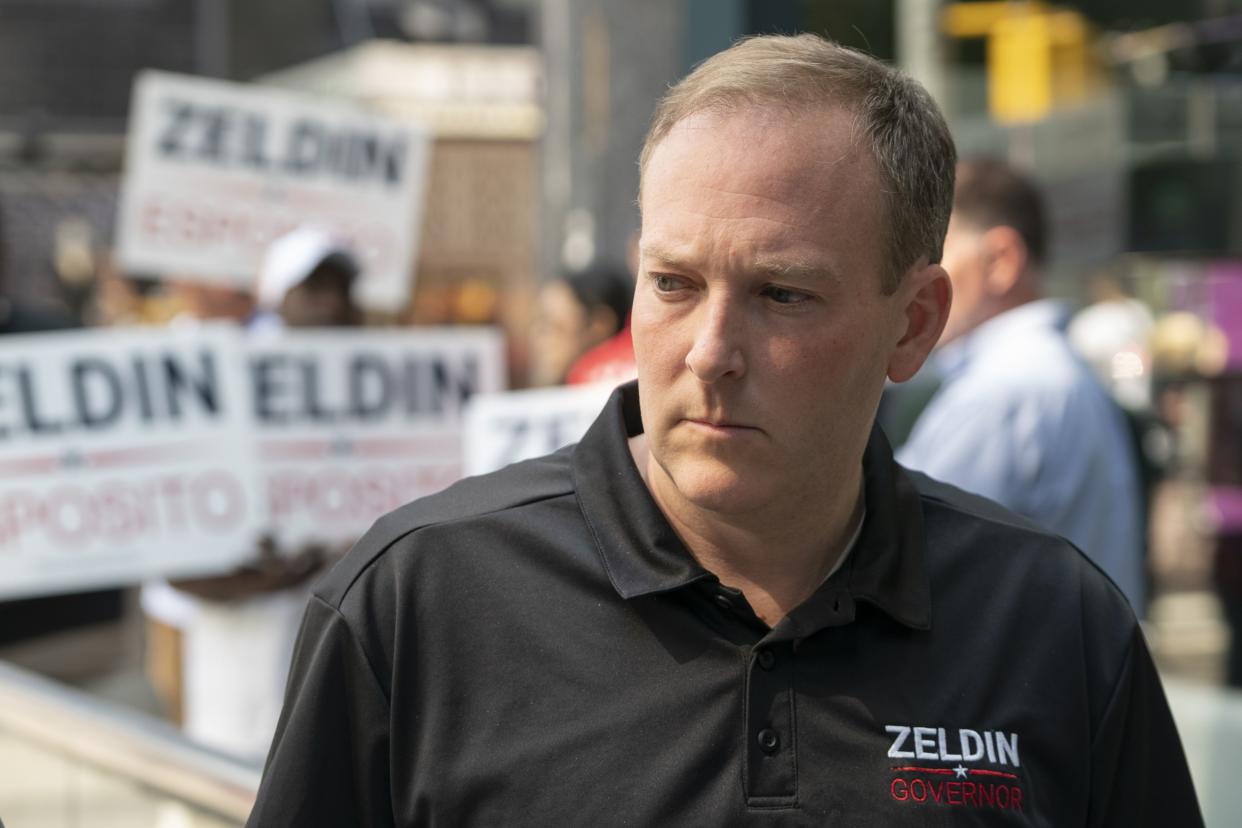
(769, 740)
(766, 659)
(723, 601)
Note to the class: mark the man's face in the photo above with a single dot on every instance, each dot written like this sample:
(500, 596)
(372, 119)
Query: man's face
(761, 333)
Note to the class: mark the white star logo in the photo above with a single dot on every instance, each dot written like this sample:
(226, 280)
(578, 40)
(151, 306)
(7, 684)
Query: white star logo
(961, 772)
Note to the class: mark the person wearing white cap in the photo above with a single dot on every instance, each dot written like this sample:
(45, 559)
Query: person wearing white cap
(235, 631)
(306, 280)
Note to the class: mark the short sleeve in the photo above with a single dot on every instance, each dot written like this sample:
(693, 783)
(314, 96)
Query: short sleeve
(329, 761)
(1139, 775)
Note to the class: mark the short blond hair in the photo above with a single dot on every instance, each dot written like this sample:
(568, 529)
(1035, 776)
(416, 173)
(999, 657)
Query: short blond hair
(906, 131)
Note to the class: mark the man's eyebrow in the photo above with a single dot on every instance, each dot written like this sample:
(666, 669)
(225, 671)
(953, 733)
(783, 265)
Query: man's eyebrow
(800, 270)
(776, 268)
(660, 254)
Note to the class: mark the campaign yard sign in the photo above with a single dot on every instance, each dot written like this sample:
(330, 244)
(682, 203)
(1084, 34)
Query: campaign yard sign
(123, 455)
(216, 171)
(352, 425)
(507, 427)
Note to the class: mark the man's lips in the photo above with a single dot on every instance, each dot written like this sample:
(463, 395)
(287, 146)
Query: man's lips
(723, 426)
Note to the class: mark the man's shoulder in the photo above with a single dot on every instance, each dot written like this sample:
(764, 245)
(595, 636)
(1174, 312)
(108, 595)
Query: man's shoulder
(971, 507)
(518, 486)
(962, 526)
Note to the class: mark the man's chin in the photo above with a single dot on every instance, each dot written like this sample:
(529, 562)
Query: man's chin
(719, 489)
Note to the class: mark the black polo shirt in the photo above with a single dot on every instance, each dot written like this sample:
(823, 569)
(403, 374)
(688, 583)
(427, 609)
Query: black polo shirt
(537, 647)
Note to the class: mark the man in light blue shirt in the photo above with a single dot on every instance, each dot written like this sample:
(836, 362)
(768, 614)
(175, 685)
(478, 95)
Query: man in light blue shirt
(1019, 418)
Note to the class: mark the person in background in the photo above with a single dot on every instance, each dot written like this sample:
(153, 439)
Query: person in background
(613, 359)
(306, 281)
(245, 620)
(1113, 335)
(574, 314)
(1019, 418)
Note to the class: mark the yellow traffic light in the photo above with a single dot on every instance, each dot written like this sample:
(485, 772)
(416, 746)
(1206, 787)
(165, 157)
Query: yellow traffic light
(1038, 57)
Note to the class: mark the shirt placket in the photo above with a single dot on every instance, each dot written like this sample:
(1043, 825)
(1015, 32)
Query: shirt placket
(769, 720)
(771, 727)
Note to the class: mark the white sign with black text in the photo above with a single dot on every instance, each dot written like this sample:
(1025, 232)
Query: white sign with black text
(216, 171)
(518, 425)
(123, 455)
(128, 454)
(352, 425)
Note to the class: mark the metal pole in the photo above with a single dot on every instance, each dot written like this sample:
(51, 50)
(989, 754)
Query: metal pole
(556, 157)
(921, 47)
(211, 38)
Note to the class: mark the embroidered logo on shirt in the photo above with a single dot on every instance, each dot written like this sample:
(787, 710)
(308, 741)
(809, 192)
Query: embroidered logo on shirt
(955, 767)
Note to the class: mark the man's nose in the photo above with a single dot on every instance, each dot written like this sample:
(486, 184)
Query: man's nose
(717, 349)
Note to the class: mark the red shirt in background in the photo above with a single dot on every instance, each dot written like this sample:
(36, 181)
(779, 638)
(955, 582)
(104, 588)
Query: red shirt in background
(610, 361)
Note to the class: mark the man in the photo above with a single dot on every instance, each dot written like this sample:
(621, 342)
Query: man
(726, 605)
(1020, 418)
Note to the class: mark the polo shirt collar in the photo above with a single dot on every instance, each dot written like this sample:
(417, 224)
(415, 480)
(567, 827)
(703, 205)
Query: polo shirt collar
(888, 563)
(640, 550)
(643, 555)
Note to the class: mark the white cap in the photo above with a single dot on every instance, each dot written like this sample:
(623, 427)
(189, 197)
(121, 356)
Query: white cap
(292, 257)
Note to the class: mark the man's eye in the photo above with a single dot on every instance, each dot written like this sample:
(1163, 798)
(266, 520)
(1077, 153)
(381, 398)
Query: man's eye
(785, 296)
(666, 284)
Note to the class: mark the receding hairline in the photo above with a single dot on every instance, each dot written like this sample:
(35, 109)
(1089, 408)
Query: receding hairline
(790, 111)
(786, 72)
(894, 118)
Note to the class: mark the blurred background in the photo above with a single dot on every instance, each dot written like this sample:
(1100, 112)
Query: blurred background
(1128, 114)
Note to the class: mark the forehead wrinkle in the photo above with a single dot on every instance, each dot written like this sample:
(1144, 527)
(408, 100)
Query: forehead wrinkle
(785, 215)
(751, 195)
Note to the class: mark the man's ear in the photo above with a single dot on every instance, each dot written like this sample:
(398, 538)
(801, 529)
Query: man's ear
(925, 296)
(1005, 257)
